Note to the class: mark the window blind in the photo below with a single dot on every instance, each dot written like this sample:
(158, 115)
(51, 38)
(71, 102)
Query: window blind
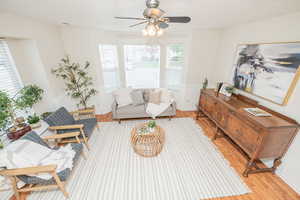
(9, 78)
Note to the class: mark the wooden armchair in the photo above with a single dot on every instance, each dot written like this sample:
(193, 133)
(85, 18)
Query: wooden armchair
(61, 121)
(35, 183)
(84, 113)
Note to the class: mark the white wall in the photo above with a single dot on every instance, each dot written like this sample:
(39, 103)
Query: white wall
(41, 42)
(201, 48)
(280, 29)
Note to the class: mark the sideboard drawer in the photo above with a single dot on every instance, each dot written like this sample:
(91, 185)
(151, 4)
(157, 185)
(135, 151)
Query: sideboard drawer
(243, 134)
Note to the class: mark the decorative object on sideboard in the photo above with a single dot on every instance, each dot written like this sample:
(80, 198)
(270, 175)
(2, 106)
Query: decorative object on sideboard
(226, 89)
(218, 87)
(257, 112)
(22, 101)
(77, 81)
(205, 83)
(268, 70)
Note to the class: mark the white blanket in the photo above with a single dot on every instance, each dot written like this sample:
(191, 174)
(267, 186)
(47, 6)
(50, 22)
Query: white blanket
(63, 158)
(166, 100)
(156, 109)
(22, 154)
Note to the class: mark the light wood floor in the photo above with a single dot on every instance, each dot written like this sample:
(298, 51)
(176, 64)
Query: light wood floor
(264, 186)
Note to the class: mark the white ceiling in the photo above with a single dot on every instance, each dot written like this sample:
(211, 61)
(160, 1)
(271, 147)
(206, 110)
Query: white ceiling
(206, 14)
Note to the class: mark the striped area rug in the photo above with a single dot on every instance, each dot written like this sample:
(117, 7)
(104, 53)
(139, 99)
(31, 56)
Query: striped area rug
(189, 167)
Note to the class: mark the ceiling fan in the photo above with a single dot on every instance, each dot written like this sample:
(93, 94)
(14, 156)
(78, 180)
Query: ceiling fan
(155, 20)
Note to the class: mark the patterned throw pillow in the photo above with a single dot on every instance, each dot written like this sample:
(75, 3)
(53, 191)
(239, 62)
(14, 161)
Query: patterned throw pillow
(137, 97)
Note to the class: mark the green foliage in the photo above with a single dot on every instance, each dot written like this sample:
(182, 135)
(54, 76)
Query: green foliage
(33, 119)
(6, 107)
(25, 98)
(152, 124)
(45, 114)
(28, 96)
(77, 81)
(1, 145)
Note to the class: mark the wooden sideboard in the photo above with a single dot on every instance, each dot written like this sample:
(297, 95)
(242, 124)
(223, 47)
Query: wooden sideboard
(258, 137)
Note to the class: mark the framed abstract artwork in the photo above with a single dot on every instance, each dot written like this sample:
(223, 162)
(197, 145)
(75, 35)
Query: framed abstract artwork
(268, 70)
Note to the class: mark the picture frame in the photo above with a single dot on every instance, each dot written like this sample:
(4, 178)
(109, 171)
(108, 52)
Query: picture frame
(224, 91)
(267, 70)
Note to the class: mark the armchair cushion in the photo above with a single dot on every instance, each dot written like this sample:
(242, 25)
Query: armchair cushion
(89, 125)
(60, 117)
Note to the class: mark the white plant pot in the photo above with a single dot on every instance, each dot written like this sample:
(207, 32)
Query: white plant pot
(151, 130)
(36, 125)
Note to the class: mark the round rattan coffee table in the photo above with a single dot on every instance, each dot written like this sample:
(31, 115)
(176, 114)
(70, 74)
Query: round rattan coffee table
(147, 144)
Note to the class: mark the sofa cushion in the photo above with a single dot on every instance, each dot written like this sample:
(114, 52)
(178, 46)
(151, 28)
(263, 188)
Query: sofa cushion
(137, 97)
(122, 96)
(131, 110)
(60, 117)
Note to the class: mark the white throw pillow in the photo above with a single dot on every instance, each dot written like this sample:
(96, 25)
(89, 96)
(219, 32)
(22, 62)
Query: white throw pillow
(166, 96)
(123, 97)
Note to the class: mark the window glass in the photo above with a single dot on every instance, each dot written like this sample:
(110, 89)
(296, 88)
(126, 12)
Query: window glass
(175, 64)
(110, 67)
(142, 66)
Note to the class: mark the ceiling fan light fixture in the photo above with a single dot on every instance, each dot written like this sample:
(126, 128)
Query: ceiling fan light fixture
(160, 32)
(145, 32)
(151, 30)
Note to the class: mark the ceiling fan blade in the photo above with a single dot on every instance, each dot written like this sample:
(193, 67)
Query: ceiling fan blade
(163, 25)
(179, 19)
(135, 18)
(138, 24)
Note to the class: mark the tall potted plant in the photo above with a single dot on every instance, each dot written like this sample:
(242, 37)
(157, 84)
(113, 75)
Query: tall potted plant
(77, 81)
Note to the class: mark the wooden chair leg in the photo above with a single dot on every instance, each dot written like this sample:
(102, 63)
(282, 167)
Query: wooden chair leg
(15, 187)
(84, 139)
(60, 184)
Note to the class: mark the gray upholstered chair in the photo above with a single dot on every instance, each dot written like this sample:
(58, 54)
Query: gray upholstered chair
(35, 183)
(62, 121)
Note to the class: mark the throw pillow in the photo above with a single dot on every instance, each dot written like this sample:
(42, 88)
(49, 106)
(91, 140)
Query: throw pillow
(122, 96)
(166, 96)
(154, 97)
(137, 97)
(146, 94)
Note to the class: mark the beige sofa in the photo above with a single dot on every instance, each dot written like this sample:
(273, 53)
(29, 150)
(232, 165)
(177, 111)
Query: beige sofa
(139, 111)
